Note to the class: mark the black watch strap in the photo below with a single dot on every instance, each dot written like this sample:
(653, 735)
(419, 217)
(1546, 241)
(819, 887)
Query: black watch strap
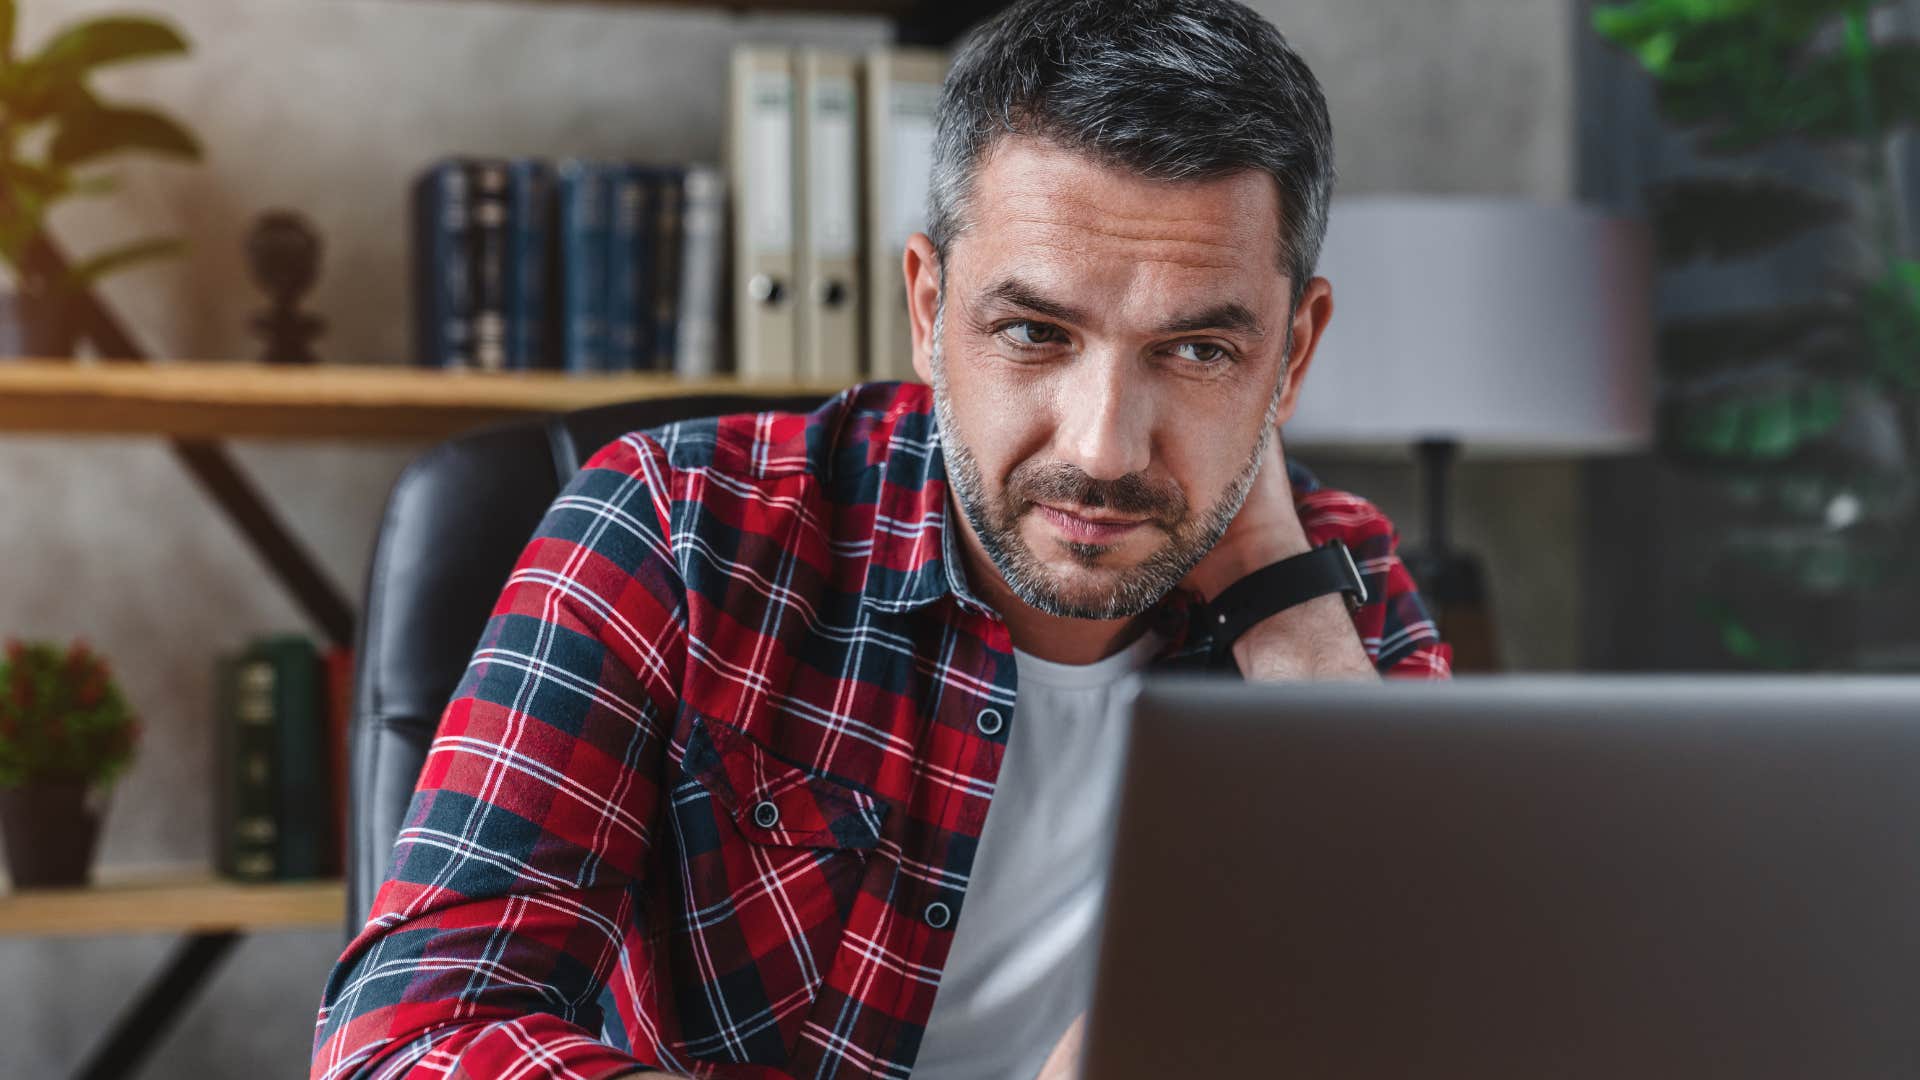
(1272, 589)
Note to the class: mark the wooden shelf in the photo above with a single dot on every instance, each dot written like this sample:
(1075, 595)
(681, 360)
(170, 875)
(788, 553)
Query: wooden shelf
(178, 905)
(919, 22)
(925, 21)
(893, 8)
(216, 400)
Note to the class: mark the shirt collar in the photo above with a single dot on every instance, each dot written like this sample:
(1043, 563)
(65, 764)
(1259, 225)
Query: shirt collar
(915, 557)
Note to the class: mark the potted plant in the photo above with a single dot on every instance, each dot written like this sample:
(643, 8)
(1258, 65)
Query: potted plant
(1801, 419)
(66, 733)
(52, 128)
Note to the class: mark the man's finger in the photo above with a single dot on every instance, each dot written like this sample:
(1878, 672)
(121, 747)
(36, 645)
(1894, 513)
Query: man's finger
(1064, 1062)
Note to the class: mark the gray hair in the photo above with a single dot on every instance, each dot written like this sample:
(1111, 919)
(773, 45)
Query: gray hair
(1170, 89)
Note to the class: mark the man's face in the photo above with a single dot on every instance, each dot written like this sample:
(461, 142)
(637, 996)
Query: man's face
(1107, 358)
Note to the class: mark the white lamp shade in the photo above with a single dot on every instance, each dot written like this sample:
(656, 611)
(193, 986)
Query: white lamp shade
(1508, 326)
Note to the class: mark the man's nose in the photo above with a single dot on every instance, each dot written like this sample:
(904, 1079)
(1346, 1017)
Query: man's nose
(1105, 418)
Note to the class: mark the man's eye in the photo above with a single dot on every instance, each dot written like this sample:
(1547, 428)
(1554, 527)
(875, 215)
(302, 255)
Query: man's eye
(1200, 352)
(1032, 334)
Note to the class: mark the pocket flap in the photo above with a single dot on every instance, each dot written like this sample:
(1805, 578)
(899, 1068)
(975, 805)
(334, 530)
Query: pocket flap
(775, 802)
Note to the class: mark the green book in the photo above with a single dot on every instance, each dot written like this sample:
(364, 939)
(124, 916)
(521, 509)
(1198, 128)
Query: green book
(300, 817)
(246, 832)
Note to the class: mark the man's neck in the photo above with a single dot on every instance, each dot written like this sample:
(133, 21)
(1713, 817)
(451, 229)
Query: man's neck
(1050, 637)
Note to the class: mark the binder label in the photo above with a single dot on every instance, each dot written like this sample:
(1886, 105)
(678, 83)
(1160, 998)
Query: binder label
(769, 183)
(915, 106)
(834, 202)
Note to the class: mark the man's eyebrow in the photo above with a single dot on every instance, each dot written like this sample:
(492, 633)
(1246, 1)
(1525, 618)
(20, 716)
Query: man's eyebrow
(1232, 317)
(1016, 293)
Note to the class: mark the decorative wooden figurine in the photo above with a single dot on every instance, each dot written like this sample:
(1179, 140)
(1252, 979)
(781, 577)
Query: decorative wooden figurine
(284, 254)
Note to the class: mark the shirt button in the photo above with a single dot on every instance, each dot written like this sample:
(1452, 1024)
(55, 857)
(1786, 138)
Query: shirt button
(766, 815)
(938, 915)
(989, 722)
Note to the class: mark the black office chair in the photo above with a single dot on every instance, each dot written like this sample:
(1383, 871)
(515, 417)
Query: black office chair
(455, 523)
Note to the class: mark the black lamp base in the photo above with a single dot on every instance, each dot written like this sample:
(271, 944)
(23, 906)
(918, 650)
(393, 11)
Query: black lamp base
(1451, 581)
(1453, 586)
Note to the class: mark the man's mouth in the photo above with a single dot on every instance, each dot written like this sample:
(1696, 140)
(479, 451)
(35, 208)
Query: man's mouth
(1088, 527)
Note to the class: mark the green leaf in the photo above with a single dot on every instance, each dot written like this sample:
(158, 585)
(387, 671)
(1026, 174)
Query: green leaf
(8, 22)
(111, 130)
(35, 181)
(1746, 644)
(1819, 410)
(1704, 218)
(1892, 310)
(1758, 419)
(1704, 430)
(32, 94)
(1823, 337)
(1745, 72)
(120, 258)
(53, 81)
(1656, 51)
(111, 40)
(1631, 25)
(1767, 431)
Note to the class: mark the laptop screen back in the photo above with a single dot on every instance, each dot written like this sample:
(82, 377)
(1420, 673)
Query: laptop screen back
(1539, 877)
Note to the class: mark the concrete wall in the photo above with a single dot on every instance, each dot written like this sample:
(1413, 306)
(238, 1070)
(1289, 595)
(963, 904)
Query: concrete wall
(1462, 97)
(328, 108)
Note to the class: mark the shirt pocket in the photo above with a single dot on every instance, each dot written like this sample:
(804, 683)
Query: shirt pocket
(771, 801)
(771, 858)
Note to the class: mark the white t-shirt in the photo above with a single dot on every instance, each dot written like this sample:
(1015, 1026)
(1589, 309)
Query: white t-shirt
(1021, 966)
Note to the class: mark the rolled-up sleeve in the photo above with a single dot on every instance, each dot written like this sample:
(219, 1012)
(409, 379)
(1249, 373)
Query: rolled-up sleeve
(1395, 627)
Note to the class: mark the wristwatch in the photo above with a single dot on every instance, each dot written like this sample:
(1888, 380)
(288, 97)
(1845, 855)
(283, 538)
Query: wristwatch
(1272, 589)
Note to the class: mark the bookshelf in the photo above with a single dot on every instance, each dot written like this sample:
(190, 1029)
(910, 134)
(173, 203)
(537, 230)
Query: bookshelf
(194, 406)
(220, 400)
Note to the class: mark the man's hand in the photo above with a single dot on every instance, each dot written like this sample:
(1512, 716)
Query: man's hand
(1312, 640)
(1266, 530)
(1064, 1062)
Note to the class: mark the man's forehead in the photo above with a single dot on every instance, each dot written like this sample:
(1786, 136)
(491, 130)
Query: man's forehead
(1033, 192)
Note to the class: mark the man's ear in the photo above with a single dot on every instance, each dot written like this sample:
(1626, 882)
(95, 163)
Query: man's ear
(921, 267)
(1310, 319)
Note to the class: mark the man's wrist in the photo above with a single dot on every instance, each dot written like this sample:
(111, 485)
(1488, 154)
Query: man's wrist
(1315, 639)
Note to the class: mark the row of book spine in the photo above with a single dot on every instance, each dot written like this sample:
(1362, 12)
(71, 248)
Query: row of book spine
(579, 266)
(784, 266)
(281, 711)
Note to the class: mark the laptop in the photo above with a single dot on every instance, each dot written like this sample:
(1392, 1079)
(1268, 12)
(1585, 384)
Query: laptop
(1554, 877)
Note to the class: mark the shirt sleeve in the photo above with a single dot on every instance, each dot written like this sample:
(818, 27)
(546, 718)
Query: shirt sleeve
(508, 894)
(1399, 634)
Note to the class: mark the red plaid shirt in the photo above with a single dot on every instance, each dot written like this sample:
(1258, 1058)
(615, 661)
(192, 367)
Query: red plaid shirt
(707, 796)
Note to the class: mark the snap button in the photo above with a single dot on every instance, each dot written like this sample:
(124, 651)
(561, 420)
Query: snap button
(766, 815)
(938, 915)
(989, 722)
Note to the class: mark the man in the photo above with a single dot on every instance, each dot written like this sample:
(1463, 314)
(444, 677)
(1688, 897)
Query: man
(712, 797)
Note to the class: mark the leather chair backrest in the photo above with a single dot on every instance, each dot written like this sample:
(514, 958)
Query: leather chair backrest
(455, 523)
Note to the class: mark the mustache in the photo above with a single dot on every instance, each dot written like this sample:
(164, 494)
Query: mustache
(1060, 483)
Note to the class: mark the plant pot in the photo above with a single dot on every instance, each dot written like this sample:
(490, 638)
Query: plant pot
(51, 830)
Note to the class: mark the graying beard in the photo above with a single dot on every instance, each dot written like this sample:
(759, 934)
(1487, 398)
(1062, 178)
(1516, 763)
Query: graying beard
(1022, 571)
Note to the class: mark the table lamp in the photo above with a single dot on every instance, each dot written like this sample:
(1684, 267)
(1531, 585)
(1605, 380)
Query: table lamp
(1518, 329)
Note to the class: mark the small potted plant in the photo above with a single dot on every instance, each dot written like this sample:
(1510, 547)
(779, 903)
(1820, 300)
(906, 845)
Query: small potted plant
(55, 130)
(66, 733)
